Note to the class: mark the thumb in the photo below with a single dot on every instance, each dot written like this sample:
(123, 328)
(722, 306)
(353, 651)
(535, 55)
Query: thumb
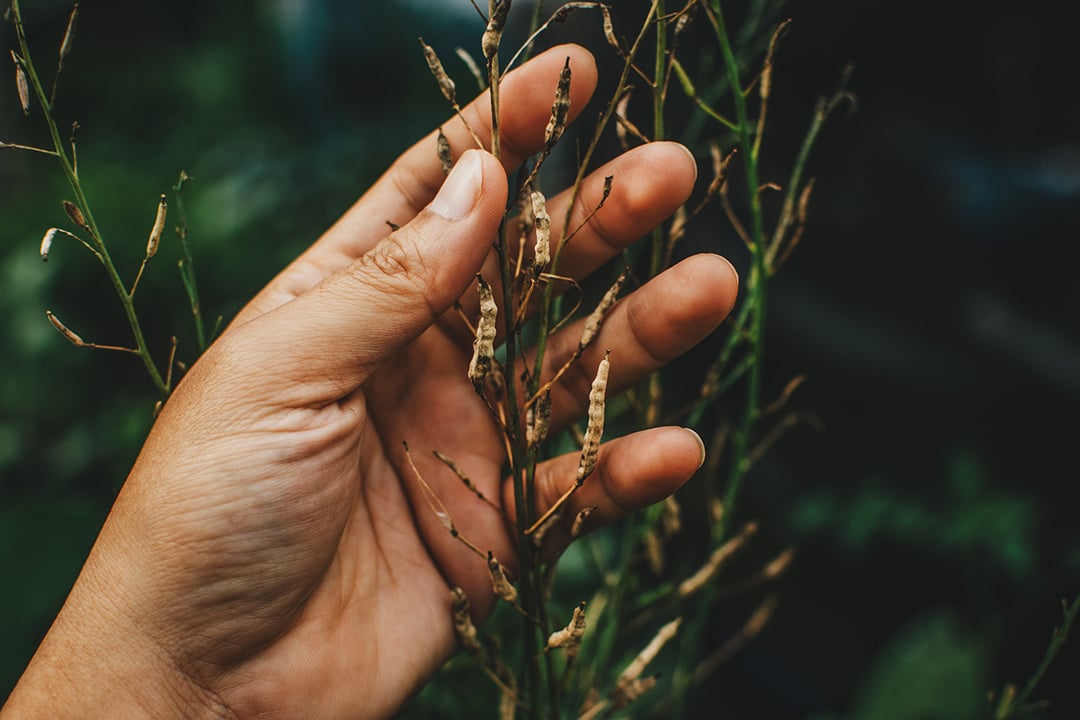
(339, 332)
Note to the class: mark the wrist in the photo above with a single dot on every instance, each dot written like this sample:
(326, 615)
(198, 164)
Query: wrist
(96, 662)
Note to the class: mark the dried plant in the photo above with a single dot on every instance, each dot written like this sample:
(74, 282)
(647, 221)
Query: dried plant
(573, 670)
(86, 230)
(532, 305)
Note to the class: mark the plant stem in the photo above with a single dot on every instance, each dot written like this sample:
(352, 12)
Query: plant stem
(142, 350)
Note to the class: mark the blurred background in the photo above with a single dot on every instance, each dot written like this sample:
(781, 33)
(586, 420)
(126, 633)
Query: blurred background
(931, 305)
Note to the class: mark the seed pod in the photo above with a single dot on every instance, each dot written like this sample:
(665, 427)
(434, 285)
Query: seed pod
(621, 120)
(484, 344)
(542, 251)
(47, 241)
(64, 330)
(682, 23)
(596, 317)
(716, 561)
(538, 420)
(463, 624)
(446, 159)
(595, 428)
(648, 654)
(569, 638)
(579, 521)
(75, 214)
(560, 108)
(21, 84)
(155, 232)
(627, 693)
(69, 34)
(489, 43)
(500, 585)
(446, 85)
(609, 28)
(778, 564)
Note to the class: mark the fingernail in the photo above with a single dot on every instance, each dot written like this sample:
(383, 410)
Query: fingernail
(462, 187)
(701, 444)
(693, 160)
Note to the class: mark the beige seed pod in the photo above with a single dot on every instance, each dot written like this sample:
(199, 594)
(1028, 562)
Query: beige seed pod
(648, 654)
(69, 34)
(579, 521)
(716, 561)
(778, 565)
(560, 108)
(474, 69)
(155, 232)
(569, 638)
(463, 624)
(484, 344)
(595, 428)
(21, 84)
(446, 85)
(47, 242)
(538, 420)
(542, 251)
(500, 584)
(631, 691)
(489, 42)
(446, 158)
(75, 214)
(596, 317)
(64, 330)
(609, 28)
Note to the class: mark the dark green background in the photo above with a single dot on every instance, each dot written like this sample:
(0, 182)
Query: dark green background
(932, 305)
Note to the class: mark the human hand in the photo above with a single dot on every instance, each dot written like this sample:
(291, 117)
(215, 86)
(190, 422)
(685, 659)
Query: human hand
(270, 553)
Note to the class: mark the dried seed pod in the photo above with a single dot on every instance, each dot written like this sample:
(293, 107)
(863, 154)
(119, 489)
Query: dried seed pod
(155, 232)
(500, 584)
(560, 108)
(654, 551)
(484, 344)
(595, 429)
(446, 85)
(631, 691)
(621, 109)
(542, 251)
(682, 23)
(474, 69)
(538, 420)
(21, 84)
(489, 42)
(446, 159)
(75, 214)
(609, 28)
(64, 330)
(525, 212)
(69, 34)
(648, 654)
(678, 226)
(463, 624)
(670, 517)
(569, 638)
(716, 561)
(47, 241)
(596, 317)
(579, 520)
(778, 564)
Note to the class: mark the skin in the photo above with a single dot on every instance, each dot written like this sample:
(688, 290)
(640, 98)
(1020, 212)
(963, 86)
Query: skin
(271, 554)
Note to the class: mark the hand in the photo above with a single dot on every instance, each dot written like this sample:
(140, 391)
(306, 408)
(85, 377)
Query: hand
(271, 554)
